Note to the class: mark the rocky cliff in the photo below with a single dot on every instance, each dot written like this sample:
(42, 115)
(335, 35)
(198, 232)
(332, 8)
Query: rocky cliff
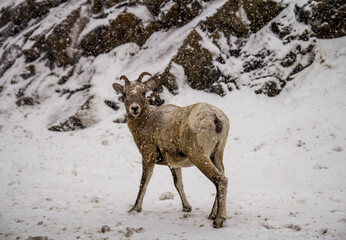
(63, 55)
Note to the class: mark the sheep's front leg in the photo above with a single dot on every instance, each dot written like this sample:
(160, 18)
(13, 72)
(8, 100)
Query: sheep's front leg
(147, 171)
(178, 183)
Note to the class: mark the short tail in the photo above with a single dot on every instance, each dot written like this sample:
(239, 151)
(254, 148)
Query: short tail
(218, 124)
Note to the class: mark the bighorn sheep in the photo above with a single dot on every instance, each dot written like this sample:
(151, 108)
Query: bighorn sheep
(182, 136)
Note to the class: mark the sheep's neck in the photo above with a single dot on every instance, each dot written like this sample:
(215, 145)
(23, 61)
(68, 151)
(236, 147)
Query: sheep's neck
(136, 124)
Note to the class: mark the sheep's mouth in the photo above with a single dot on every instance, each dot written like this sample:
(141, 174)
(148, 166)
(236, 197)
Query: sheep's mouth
(135, 114)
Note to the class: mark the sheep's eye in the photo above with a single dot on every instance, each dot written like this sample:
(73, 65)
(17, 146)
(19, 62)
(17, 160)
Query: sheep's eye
(124, 95)
(143, 94)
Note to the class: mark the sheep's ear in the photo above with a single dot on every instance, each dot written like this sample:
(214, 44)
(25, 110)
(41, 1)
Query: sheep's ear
(118, 88)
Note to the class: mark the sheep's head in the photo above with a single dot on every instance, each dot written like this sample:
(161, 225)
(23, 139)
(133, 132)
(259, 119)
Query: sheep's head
(134, 94)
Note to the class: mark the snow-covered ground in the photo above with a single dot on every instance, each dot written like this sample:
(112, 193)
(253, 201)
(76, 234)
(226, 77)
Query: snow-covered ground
(285, 160)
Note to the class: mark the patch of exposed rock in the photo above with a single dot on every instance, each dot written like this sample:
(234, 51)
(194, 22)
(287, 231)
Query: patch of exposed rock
(326, 18)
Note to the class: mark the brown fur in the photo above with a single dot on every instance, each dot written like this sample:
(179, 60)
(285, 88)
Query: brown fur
(183, 136)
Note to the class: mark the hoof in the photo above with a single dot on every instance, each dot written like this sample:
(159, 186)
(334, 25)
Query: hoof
(218, 222)
(135, 209)
(212, 216)
(187, 209)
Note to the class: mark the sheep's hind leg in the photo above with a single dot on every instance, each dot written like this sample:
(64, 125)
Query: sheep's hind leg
(206, 166)
(178, 183)
(217, 159)
(213, 212)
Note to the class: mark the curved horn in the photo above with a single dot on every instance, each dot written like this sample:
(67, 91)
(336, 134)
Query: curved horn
(142, 75)
(123, 77)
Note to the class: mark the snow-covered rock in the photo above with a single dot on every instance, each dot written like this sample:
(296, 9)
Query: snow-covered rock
(73, 50)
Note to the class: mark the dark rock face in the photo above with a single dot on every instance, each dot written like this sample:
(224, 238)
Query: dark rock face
(71, 124)
(78, 121)
(17, 18)
(38, 238)
(226, 21)
(280, 30)
(180, 13)
(271, 88)
(31, 55)
(29, 72)
(326, 18)
(197, 63)
(126, 28)
(8, 58)
(113, 105)
(154, 6)
(260, 12)
(59, 41)
(26, 101)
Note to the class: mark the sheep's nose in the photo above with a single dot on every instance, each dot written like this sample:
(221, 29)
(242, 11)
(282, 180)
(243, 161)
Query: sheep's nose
(134, 109)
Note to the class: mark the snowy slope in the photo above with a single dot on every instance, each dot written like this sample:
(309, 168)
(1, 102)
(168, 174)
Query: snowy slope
(48, 64)
(285, 160)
